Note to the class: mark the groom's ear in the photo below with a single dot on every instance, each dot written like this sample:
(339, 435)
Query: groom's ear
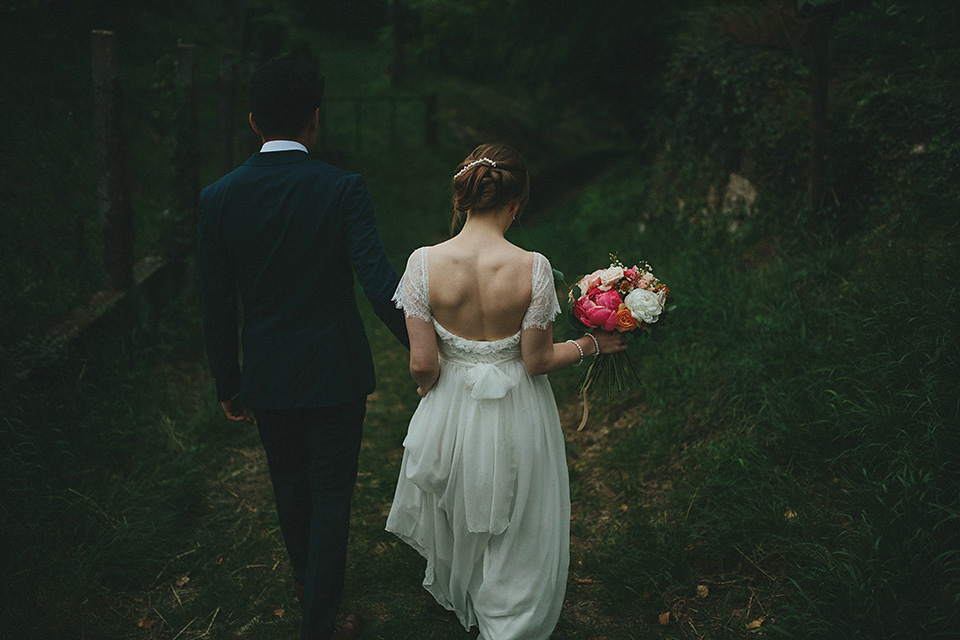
(253, 125)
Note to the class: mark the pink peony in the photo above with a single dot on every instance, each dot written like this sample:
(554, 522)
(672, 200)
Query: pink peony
(598, 309)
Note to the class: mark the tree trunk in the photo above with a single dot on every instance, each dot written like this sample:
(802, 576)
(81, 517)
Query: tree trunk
(398, 32)
(113, 193)
(227, 110)
(819, 122)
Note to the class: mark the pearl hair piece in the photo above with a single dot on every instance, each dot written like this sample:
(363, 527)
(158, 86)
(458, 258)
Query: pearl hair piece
(475, 162)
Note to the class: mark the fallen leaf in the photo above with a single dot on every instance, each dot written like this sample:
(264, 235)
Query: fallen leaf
(702, 591)
(756, 624)
(696, 543)
(624, 507)
(789, 514)
(182, 581)
(665, 618)
(279, 613)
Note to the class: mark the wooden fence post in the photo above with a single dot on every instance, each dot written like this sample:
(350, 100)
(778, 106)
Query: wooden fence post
(113, 194)
(227, 110)
(188, 164)
(254, 140)
(819, 118)
(359, 124)
(393, 121)
(398, 33)
(430, 126)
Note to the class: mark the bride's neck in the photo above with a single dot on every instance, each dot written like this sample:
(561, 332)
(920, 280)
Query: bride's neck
(486, 225)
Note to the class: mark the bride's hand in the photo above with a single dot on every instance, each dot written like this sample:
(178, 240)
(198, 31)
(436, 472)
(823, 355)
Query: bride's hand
(610, 341)
(424, 389)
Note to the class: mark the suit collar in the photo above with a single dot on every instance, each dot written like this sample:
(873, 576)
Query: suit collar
(282, 145)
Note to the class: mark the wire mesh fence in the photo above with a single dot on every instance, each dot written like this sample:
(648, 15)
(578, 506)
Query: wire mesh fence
(55, 253)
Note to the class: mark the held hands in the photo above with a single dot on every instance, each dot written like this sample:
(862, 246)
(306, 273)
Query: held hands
(234, 411)
(610, 341)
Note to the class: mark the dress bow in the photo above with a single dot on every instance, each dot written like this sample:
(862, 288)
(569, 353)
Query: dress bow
(487, 382)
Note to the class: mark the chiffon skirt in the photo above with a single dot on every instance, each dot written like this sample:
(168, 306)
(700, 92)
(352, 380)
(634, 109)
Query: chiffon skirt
(483, 495)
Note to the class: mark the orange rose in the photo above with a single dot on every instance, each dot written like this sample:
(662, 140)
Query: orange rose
(625, 319)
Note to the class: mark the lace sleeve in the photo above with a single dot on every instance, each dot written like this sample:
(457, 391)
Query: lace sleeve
(544, 306)
(413, 294)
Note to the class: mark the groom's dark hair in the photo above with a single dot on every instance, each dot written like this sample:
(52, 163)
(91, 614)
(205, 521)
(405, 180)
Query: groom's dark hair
(283, 95)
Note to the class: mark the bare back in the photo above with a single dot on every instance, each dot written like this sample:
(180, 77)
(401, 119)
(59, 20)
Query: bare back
(480, 291)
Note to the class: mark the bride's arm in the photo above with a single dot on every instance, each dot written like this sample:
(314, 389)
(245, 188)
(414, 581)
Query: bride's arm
(424, 355)
(542, 355)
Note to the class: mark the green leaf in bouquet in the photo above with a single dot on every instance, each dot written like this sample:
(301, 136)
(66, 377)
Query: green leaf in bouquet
(609, 374)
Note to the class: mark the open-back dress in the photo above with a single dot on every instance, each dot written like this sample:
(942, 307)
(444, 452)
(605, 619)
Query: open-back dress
(483, 491)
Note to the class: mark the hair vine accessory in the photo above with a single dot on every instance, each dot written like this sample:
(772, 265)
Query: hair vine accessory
(475, 162)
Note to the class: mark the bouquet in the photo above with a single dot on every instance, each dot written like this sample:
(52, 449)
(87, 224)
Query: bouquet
(616, 299)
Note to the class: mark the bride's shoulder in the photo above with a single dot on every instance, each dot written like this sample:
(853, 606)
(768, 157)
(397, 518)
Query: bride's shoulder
(540, 261)
(421, 252)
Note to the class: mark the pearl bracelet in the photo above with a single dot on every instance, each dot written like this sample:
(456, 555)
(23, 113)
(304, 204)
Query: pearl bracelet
(595, 343)
(580, 349)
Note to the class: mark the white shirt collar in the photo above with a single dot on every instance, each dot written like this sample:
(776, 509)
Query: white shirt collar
(282, 145)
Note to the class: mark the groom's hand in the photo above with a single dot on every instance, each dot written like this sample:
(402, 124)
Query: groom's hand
(234, 411)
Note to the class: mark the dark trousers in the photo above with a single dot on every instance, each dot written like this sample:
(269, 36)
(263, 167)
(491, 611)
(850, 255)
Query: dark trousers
(312, 456)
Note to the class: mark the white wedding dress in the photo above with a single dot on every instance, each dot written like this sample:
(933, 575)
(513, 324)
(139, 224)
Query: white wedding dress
(483, 491)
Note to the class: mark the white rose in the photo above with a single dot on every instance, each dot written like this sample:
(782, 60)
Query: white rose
(610, 277)
(643, 305)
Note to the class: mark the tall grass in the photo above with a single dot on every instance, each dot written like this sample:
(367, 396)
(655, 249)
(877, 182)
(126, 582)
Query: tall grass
(101, 473)
(801, 412)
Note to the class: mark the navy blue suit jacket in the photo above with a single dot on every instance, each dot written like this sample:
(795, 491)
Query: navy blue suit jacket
(288, 232)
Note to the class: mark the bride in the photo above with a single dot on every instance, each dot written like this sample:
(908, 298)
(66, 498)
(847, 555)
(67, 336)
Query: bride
(483, 492)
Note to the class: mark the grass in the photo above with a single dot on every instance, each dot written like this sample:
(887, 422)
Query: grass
(786, 461)
(788, 468)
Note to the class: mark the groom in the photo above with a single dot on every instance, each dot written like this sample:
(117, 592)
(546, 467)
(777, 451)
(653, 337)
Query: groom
(288, 232)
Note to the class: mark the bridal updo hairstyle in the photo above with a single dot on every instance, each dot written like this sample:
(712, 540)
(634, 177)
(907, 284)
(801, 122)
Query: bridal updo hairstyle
(283, 95)
(479, 186)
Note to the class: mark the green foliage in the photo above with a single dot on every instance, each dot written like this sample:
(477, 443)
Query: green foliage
(101, 472)
(595, 56)
(735, 108)
(805, 420)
